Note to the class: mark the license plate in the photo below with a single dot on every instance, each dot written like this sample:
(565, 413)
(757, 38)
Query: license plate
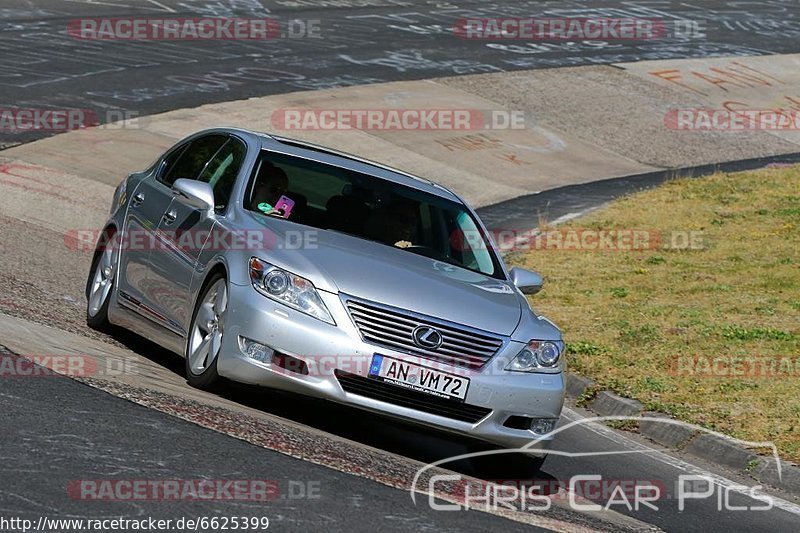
(418, 378)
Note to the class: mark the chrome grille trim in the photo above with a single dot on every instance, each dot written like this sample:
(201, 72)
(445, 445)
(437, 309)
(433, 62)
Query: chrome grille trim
(392, 328)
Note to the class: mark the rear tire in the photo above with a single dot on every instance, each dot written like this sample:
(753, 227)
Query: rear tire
(204, 341)
(100, 285)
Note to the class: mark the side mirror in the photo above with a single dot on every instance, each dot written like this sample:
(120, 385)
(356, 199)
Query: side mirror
(527, 281)
(198, 194)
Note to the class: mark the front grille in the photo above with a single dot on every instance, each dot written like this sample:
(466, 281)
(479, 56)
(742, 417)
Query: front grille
(393, 328)
(386, 392)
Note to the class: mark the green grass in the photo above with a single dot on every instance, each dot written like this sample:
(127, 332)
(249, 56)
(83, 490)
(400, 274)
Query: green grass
(628, 315)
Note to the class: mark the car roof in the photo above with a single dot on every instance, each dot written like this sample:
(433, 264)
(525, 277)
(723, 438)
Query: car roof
(307, 150)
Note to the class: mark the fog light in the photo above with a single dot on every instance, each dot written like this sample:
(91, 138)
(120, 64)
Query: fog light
(255, 350)
(543, 426)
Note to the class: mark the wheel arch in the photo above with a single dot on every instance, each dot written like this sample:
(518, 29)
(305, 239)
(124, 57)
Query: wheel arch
(109, 230)
(217, 267)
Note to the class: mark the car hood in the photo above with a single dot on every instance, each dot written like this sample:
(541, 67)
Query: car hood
(337, 262)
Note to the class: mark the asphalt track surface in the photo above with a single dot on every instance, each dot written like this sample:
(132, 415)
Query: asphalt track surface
(98, 436)
(55, 430)
(355, 42)
(562, 203)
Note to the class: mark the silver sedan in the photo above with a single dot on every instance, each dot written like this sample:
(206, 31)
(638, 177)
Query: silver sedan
(275, 262)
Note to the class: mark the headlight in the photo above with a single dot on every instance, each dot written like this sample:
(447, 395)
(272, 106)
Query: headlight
(277, 282)
(537, 355)
(289, 289)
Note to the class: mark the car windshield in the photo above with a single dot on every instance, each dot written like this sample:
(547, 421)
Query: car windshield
(328, 197)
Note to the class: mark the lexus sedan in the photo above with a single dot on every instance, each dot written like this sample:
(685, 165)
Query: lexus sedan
(275, 262)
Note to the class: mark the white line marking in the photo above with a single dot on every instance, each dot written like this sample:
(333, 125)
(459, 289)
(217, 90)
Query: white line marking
(114, 4)
(96, 2)
(674, 462)
(159, 4)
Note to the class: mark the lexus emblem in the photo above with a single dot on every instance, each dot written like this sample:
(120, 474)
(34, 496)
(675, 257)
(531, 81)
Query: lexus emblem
(427, 337)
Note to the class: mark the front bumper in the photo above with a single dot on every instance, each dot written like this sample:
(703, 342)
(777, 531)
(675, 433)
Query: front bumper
(327, 349)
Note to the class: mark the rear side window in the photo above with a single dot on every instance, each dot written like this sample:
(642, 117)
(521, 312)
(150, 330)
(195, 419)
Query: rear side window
(193, 159)
(222, 169)
(169, 162)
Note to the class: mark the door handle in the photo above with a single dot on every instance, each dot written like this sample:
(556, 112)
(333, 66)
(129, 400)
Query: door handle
(170, 217)
(137, 200)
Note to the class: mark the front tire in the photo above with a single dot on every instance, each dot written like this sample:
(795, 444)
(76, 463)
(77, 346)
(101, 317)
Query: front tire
(204, 343)
(100, 285)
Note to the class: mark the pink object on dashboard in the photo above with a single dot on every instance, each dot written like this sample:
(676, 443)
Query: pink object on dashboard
(285, 204)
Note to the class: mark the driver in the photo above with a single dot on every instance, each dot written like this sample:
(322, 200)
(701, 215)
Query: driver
(402, 224)
(271, 183)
